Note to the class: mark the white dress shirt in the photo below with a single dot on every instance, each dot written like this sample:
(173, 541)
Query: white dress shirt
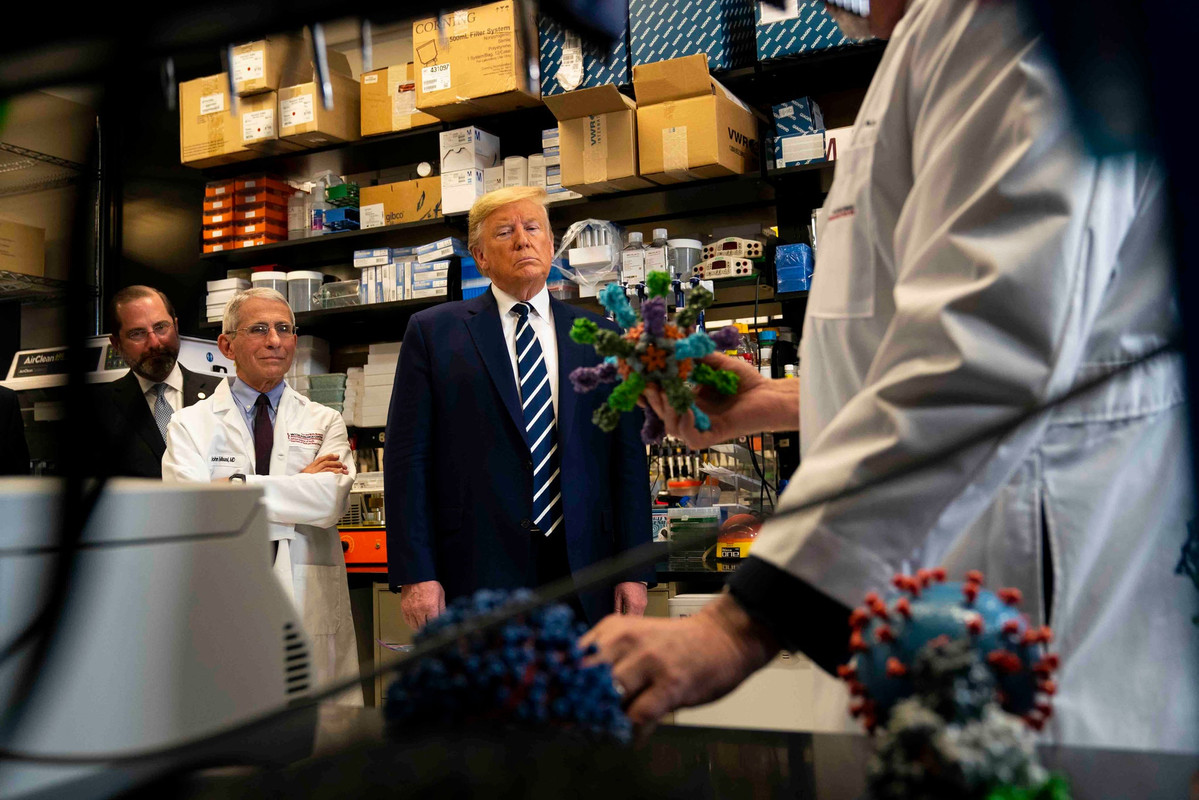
(173, 394)
(542, 320)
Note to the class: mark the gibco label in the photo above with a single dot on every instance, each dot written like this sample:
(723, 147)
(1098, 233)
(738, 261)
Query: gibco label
(435, 78)
(212, 103)
(297, 110)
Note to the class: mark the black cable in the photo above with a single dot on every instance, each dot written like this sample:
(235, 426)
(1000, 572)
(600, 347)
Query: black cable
(596, 575)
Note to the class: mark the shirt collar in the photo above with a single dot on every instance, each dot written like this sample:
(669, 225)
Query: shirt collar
(174, 380)
(540, 302)
(246, 396)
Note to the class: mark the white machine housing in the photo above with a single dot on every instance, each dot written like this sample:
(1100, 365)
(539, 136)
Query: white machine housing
(724, 267)
(173, 627)
(733, 247)
(198, 355)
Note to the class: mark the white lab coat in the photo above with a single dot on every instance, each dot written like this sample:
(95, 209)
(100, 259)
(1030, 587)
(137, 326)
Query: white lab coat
(211, 440)
(975, 261)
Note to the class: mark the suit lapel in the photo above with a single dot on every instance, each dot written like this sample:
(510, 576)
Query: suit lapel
(570, 356)
(196, 386)
(488, 334)
(133, 403)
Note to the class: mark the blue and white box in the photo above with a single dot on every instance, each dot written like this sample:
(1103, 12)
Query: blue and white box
(372, 258)
(663, 29)
(569, 63)
(799, 27)
(473, 282)
(441, 249)
(403, 253)
(549, 140)
(798, 133)
(435, 288)
(430, 271)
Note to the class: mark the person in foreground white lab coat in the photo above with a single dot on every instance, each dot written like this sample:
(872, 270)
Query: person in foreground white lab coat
(258, 430)
(974, 262)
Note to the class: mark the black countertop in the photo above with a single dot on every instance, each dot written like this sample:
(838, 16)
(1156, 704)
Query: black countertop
(353, 757)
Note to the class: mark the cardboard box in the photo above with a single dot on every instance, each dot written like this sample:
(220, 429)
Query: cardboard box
(305, 121)
(472, 62)
(22, 249)
(597, 129)
(568, 63)
(688, 125)
(516, 171)
(389, 101)
(468, 148)
(210, 129)
(259, 125)
(270, 64)
(396, 203)
(799, 27)
(493, 178)
(460, 189)
(798, 116)
(660, 30)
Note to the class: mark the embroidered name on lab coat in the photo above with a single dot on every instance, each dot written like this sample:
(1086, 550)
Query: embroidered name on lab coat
(313, 439)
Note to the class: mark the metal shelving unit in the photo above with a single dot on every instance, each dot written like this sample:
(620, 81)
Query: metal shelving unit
(23, 171)
(18, 287)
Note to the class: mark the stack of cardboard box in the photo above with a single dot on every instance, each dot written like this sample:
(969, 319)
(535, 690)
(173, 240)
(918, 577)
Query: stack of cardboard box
(465, 153)
(389, 101)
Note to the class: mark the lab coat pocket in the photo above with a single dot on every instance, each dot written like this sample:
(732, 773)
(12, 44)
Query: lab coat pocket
(299, 457)
(319, 595)
(843, 277)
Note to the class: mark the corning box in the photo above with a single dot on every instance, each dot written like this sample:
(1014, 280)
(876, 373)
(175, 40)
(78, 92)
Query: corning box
(660, 30)
(598, 131)
(569, 63)
(688, 125)
(471, 62)
(801, 26)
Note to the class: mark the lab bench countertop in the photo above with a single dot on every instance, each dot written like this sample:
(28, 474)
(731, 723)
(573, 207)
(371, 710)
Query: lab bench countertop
(354, 757)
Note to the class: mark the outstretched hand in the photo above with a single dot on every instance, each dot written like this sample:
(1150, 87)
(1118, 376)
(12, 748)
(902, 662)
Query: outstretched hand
(759, 404)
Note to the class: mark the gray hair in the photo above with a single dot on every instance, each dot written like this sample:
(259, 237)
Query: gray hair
(232, 320)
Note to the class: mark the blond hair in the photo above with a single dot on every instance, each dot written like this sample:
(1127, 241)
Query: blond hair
(232, 319)
(492, 202)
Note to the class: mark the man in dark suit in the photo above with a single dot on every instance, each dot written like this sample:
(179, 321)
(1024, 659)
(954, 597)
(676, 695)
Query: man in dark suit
(14, 453)
(132, 412)
(495, 476)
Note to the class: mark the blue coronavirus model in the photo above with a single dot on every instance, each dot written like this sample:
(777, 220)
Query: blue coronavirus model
(652, 351)
(527, 671)
(952, 679)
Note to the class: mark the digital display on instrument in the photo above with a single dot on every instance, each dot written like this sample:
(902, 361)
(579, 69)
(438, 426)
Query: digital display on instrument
(731, 245)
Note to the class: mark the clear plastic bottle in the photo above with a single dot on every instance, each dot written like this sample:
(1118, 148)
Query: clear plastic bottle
(655, 253)
(632, 260)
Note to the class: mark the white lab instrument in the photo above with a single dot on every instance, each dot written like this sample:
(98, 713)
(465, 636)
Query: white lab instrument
(733, 247)
(725, 267)
(202, 639)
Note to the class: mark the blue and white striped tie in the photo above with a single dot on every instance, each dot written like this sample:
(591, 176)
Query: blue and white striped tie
(537, 403)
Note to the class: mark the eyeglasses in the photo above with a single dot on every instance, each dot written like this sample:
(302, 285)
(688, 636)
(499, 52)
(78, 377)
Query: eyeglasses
(160, 329)
(261, 330)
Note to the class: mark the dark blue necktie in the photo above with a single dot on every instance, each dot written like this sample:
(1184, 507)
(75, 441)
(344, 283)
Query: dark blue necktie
(537, 403)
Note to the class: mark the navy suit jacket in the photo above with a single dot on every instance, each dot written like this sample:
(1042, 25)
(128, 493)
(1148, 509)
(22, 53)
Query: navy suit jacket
(457, 469)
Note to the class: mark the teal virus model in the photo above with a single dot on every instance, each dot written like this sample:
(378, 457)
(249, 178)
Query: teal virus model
(653, 351)
(952, 680)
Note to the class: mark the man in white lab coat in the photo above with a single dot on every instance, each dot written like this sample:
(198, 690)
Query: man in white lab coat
(256, 429)
(974, 262)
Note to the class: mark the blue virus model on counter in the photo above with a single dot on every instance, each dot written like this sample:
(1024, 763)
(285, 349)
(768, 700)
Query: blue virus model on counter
(951, 679)
(652, 351)
(528, 671)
